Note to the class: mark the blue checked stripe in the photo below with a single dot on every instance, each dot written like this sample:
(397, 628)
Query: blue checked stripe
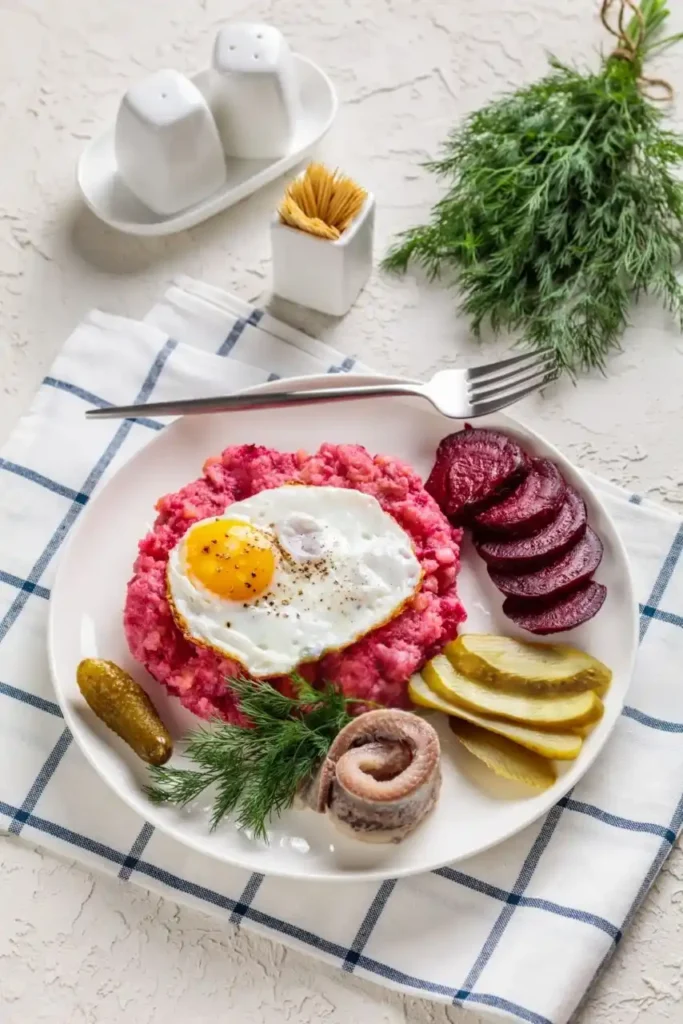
(582, 916)
(136, 851)
(613, 819)
(661, 616)
(529, 866)
(237, 330)
(50, 828)
(43, 481)
(476, 884)
(31, 698)
(73, 389)
(650, 722)
(38, 788)
(661, 583)
(24, 585)
(246, 897)
(657, 862)
(101, 403)
(369, 921)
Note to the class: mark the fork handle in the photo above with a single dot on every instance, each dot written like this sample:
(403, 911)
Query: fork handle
(230, 403)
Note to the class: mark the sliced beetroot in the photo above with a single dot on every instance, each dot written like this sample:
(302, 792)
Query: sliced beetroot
(472, 468)
(533, 503)
(437, 482)
(565, 612)
(526, 553)
(566, 573)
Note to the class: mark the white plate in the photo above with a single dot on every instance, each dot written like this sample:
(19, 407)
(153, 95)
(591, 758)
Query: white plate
(111, 201)
(474, 812)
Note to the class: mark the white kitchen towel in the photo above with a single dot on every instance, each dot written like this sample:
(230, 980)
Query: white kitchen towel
(521, 930)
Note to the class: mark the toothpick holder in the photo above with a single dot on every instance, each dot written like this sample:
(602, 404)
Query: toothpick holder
(318, 273)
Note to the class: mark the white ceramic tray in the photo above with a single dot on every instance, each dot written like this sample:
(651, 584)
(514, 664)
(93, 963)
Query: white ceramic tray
(111, 201)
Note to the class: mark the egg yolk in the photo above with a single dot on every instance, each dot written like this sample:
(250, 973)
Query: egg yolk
(230, 558)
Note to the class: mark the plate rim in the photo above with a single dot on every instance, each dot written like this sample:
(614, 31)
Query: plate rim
(147, 810)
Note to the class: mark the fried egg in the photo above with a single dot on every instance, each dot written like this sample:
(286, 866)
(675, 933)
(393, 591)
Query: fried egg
(290, 574)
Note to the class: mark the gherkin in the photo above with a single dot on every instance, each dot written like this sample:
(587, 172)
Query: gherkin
(125, 708)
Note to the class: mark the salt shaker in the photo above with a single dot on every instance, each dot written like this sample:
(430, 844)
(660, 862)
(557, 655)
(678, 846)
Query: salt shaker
(255, 96)
(167, 146)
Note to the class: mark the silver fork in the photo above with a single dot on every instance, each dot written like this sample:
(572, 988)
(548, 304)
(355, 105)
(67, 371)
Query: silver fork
(458, 394)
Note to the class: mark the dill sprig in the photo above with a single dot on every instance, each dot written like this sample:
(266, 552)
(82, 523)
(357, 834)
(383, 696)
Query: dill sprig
(563, 204)
(257, 770)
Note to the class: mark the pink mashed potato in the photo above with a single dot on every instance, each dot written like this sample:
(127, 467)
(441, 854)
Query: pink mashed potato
(376, 667)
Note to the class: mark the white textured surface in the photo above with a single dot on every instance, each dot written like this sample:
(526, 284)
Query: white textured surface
(82, 949)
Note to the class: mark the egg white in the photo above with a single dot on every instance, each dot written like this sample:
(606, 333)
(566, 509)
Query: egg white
(343, 568)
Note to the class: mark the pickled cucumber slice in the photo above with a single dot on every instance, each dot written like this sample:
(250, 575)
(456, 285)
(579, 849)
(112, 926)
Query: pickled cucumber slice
(504, 757)
(520, 667)
(584, 730)
(125, 708)
(562, 711)
(561, 746)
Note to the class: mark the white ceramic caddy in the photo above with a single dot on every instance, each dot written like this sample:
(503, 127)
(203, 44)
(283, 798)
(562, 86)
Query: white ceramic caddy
(107, 195)
(475, 810)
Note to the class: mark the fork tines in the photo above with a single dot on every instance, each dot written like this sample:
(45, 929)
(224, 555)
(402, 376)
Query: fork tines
(497, 385)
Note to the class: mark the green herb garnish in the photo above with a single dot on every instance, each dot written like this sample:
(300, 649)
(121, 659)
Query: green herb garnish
(257, 770)
(563, 204)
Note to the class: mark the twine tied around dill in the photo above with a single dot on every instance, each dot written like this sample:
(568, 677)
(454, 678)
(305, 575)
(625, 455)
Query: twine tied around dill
(628, 46)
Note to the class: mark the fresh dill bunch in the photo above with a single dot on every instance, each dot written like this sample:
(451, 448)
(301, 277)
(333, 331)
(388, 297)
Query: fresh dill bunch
(563, 203)
(257, 770)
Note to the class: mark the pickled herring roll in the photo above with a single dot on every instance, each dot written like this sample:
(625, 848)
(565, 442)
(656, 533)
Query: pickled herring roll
(381, 777)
